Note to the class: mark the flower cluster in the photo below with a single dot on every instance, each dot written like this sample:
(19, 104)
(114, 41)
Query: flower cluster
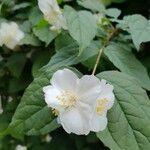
(81, 105)
(52, 14)
(10, 34)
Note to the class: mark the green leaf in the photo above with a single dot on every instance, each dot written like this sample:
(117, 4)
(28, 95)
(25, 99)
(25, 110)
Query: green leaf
(41, 59)
(34, 20)
(128, 63)
(81, 26)
(139, 28)
(129, 119)
(26, 26)
(16, 85)
(94, 5)
(6, 116)
(32, 115)
(21, 6)
(146, 63)
(30, 39)
(63, 40)
(43, 32)
(113, 12)
(16, 63)
(68, 55)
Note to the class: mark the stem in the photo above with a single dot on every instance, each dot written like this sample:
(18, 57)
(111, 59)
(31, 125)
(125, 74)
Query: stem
(102, 49)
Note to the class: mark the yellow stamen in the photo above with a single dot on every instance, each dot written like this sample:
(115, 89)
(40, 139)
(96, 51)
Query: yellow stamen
(55, 112)
(67, 98)
(101, 105)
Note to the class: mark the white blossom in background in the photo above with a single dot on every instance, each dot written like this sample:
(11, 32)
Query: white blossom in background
(53, 14)
(100, 19)
(1, 109)
(20, 147)
(100, 107)
(10, 34)
(71, 99)
(48, 138)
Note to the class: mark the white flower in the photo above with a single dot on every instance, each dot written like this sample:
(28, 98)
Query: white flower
(101, 19)
(48, 138)
(10, 34)
(1, 109)
(100, 107)
(52, 14)
(20, 147)
(71, 99)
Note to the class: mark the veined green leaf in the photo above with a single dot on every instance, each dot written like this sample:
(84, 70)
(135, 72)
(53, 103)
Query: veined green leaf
(129, 119)
(94, 5)
(139, 28)
(128, 63)
(81, 25)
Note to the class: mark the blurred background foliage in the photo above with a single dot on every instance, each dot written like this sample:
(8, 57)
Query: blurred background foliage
(18, 69)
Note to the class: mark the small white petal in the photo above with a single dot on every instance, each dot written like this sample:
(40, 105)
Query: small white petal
(98, 122)
(52, 14)
(48, 138)
(20, 147)
(47, 6)
(107, 92)
(64, 80)
(10, 34)
(88, 88)
(51, 94)
(75, 121)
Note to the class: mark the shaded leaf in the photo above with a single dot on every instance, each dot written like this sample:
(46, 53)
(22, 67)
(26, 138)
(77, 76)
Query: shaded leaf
(128, 63)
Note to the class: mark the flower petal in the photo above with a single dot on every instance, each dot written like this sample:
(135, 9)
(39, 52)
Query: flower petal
(10, 34)
(64, 80)
(107, 92)
(50, 96)
(88, 88)
(75, 121)
(48, 6)
(98, 122)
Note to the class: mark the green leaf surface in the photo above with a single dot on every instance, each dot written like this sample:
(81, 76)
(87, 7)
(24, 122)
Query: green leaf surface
(139, 28)
(81, 26)
(43, 32)
(34, 20)
(6, 116)
(63, 40)
(42, 59)
(94, 5)
(128, 63)
(69, 55)
(129, 119)
(16, 63)
(21, 6)
(30, 39)
(113, 12)
(32, 115)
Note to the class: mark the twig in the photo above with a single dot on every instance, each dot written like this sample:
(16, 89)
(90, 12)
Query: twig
(102, 49)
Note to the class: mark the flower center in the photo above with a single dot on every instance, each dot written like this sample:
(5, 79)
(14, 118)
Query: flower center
(55, 112)
(7, 39)
(67, 98)
(101, 105)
